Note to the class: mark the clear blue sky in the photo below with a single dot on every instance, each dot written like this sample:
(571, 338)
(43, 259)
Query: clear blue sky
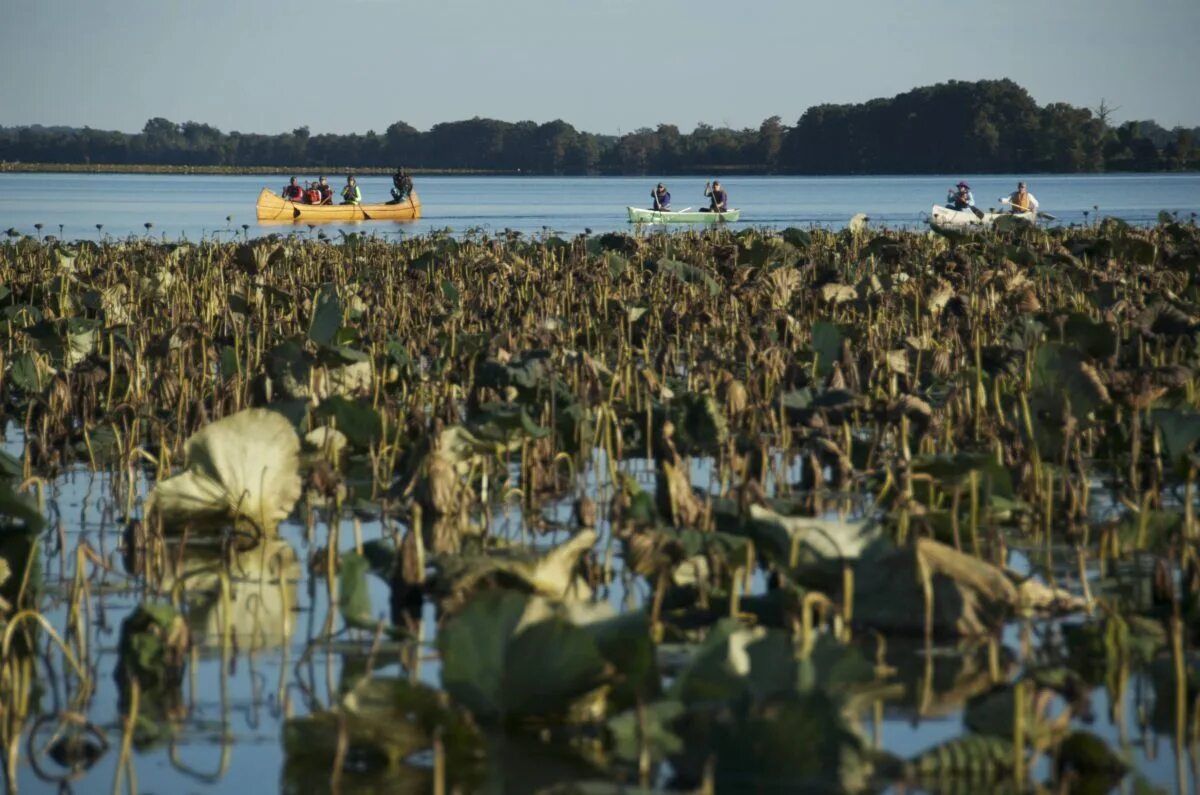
(601, 65)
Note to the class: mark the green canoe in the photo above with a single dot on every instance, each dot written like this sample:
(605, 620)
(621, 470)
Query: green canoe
(640, 216)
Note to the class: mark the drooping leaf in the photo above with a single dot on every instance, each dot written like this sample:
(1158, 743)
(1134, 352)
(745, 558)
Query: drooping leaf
(242, 468)
(827, 344)
(501, 668)
(361, 423)
(26, 373)
(379, 723)
(326, 315)
(354, 596)
(1179, 431)
(689, 274)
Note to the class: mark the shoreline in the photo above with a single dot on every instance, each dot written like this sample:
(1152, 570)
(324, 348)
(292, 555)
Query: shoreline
(229, 171)
(725, 172)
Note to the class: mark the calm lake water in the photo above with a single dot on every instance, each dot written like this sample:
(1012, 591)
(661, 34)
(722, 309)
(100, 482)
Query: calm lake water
(236, 706)
(197, 206)
(231, 738)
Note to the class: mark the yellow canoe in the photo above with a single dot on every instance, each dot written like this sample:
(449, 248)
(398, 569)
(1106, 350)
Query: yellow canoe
(273, 207)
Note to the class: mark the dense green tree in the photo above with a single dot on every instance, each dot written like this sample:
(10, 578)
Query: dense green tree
(956, 127)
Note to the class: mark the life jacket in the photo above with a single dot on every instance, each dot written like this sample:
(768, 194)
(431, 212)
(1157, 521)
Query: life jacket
(293, 192)
(1020, 205)
(313, 196)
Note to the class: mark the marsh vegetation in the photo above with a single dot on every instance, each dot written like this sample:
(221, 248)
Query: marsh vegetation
(696, 511)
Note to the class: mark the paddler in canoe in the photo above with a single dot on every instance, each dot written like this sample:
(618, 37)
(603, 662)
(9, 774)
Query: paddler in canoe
(351, 194)
(1020, 200)
(292, 191)
(960, 197)
(661, 197)
(402, 185)
(718, 198)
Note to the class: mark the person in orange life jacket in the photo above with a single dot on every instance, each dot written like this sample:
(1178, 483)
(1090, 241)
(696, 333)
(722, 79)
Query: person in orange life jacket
(313, 194)
(293, 192)
(1020, 200)
(661, 197)
(326, 191)
(718, 198)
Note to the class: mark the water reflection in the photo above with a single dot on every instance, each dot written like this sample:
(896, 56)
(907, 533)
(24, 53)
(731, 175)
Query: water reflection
(260, 662)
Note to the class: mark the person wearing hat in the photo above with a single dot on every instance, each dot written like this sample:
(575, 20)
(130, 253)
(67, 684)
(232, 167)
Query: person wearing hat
(718, 198)
(1020, 200)
(960, 197)
(660, 197)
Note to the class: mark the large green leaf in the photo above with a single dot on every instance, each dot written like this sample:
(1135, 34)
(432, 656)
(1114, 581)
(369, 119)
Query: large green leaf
(501, 668)
(357, 419)
(26, 374)
(354, 596)
(689, 274)
(549, 663)
(826, 344)
(473, 646)
(1179, 431)
(326, 315)
(1096, 339)
(648, 728)
(1059, 373)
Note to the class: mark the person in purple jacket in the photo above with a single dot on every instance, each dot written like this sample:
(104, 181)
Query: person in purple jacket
(661, 197)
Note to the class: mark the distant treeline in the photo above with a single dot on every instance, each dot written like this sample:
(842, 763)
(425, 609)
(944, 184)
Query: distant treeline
(989, 126)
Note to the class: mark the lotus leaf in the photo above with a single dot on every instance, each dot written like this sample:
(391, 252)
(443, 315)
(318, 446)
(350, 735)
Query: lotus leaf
(502, 670)
(688, 274)
(647, 728)
(1059, 373)
(1179, 430)
(326, 316)
(357, 419)
(893, 589)
(354, 596)
(814, 545)
(552, 573)
(152, 651)
(383, 723)
(1097, 340)
(329, 441)
(700, 424)
(1090, 756)
(240, 469)
(503, 425)
(349, 379)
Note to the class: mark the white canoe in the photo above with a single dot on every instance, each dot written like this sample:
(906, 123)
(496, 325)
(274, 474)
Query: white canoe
(945, 216)
(639, 216)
